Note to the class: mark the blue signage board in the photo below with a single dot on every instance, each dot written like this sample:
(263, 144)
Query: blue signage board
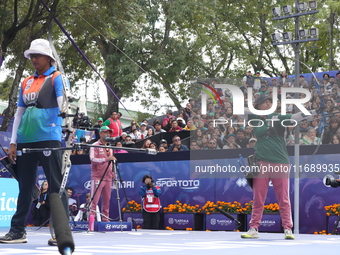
(8, 200)
(112, 226)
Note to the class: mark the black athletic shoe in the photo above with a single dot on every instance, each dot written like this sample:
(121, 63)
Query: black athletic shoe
(12, 237)
(52, 241)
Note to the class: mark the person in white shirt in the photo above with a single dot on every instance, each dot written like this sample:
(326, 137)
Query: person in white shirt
(72, 203)
(84, 210)
(143, 131)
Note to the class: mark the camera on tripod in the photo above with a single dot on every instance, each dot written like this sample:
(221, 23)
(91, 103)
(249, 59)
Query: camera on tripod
(331, 181)
(82, 122)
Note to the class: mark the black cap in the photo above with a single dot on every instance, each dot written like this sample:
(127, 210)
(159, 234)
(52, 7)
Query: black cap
(261, 99)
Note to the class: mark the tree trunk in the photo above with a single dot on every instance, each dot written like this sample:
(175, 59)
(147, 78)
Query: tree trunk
(172, 95)
(112, 101)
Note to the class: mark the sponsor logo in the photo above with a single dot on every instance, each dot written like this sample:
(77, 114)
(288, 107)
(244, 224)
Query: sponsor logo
(119, 226)
(47, 153)
(178, 221)
(267, 223)
(87, 185)
(224, 222)
(241, 182)
(183, 184)
(126, 184)
(136, 220)
(30, 81)
(79, 225)
(115, 226)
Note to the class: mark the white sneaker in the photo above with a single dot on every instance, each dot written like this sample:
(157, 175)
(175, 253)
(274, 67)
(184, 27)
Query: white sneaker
(288, 234)
(252, 233)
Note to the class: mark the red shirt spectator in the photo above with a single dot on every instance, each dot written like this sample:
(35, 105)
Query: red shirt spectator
(175, 127)
(114, 124)
(167, 118)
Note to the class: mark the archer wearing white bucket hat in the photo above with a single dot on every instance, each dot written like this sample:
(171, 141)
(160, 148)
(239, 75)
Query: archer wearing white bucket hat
(39, 46)
(36, 124)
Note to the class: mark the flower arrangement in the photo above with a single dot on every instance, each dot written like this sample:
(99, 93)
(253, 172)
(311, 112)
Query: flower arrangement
(180, 207)
(323, 232)
(332, 209)
(271, 208)
(248, 207)
(234, 207)
(132, 206)
(187, 229)
(267, 208)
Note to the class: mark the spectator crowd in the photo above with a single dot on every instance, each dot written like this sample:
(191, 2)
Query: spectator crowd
(219, 128)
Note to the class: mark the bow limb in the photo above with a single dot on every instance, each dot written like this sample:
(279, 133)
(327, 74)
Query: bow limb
(66, 115)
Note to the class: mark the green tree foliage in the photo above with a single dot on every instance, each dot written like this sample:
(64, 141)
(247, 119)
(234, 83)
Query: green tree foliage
(20, 22)
(5, 88)
(149, 48)
(140, 116)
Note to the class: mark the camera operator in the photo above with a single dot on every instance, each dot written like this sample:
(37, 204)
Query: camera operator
(151, 203)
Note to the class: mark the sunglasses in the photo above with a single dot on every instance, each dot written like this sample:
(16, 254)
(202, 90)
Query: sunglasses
(176, 140)
(36, 56)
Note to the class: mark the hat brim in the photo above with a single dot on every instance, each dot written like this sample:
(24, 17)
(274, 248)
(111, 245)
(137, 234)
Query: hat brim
(28, 52)
(263, 99)
(107, 130)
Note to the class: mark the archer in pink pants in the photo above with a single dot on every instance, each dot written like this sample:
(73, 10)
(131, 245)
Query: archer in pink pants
(280, 179)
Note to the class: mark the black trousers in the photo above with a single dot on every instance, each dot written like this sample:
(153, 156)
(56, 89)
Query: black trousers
(41, 215)
(27, 166)
(151, 220)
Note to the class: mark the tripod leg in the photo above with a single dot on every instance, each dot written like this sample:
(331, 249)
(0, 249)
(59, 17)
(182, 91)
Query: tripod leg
(118, 197)
(117, 171)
